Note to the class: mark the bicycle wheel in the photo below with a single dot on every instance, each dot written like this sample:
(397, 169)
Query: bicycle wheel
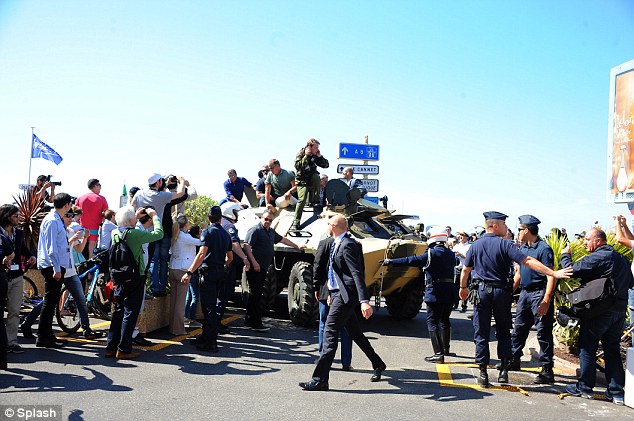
(30, 291)
(66, 312)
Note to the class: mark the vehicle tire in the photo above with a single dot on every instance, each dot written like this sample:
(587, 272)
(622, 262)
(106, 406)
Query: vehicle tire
(302, 305)
(406, 303)
(269, 290)
(66, 312)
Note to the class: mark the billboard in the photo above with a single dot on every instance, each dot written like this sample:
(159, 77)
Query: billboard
(621, 134)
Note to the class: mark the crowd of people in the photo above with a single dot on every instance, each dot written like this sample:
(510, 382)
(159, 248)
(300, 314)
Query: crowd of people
(199, 263)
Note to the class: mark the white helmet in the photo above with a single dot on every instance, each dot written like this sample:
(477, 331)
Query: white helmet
(436, 234)
(230, 210)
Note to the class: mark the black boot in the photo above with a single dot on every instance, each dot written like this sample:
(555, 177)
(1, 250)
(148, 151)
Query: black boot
(436, 344)
(546, 376)
(515, 363)
(3, 362)
(503, 377)
(483, 379)
(445, 337)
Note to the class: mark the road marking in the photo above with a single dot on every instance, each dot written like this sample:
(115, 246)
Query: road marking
(445, 379)
(176, 340)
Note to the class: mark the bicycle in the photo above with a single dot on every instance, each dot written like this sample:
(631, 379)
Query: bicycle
(98, 302)
(626, 342)
(30, 297)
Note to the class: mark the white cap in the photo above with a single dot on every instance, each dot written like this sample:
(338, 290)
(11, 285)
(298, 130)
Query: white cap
(153, 178)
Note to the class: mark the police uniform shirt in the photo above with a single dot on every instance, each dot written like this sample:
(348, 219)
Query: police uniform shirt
(218, 243)
(492, 256)
(231, 230)
(542, 252)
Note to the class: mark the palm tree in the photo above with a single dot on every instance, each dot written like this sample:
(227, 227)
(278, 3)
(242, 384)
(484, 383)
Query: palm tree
(32, 212)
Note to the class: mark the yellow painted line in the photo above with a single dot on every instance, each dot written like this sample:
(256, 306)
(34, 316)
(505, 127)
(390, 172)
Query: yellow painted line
(445, 379)
(161, 345)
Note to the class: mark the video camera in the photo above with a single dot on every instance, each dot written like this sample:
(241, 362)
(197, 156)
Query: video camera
(55, 183)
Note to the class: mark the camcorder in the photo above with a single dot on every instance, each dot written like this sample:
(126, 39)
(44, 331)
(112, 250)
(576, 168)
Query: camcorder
(55, 183)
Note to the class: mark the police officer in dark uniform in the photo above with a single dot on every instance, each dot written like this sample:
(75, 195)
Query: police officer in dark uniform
(491, 257)
(534, 306)
(441, 292)
(214, 253)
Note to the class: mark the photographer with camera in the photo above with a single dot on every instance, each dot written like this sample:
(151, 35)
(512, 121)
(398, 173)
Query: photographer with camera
(93, 205)
(42, 184)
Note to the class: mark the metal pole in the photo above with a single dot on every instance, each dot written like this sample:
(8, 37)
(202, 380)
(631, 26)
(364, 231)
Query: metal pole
(31, 157)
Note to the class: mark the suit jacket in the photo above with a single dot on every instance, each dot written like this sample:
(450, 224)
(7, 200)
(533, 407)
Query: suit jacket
(349, 267)
(320, 267)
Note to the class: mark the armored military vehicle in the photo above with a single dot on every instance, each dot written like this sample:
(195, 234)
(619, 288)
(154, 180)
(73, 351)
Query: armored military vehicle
(381, 233)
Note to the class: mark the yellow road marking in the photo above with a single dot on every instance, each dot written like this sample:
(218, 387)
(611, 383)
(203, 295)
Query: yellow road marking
(445, 379)
(156, 347)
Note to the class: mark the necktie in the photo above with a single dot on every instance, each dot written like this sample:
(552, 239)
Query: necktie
(332, 280)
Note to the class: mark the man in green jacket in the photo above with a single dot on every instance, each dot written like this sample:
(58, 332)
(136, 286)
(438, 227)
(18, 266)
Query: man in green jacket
(307, 177)
(129, 295)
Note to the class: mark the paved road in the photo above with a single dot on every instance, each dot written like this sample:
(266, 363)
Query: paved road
(255, 377)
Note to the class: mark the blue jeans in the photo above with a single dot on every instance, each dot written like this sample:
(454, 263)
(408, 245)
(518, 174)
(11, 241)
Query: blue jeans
(193, 294)
(346, 340)
(158, 267)
(76, 289)
(607, 327)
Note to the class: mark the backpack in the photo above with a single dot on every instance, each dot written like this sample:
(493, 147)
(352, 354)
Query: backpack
(592, 298)
(123, 267)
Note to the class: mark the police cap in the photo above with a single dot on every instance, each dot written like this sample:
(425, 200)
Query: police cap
(215, 211)
(529, 220)
(495, 215)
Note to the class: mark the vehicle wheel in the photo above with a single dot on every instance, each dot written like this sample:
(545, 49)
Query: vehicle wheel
(302, 305)
(269, 290)
(66, 312)
(406, 303)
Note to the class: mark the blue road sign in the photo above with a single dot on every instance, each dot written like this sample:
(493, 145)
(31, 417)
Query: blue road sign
(372, 199)
(359, 151)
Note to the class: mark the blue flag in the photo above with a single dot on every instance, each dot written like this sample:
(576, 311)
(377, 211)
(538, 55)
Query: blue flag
(42, 150)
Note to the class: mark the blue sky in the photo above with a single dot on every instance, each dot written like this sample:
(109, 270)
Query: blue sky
(476, 105)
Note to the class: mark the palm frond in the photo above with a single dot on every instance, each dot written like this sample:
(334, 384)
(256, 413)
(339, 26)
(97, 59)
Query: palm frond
(32, 211)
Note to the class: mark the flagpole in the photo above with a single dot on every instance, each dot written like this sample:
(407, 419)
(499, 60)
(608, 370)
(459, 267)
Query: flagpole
(31, 156)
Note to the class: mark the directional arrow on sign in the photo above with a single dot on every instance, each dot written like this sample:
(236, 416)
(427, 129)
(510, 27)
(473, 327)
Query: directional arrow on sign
(359, 169)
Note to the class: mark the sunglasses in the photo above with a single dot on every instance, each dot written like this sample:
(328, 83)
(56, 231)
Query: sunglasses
(268, 220)
(69, 215)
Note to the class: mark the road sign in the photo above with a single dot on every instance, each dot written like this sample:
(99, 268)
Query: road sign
(359, 151)
(371, 185)
(372, 199)
(359, 169)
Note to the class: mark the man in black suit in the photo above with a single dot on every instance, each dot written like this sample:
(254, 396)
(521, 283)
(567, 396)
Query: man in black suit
(346, 282)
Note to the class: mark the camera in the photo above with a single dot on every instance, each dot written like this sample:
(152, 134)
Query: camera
(55, 183)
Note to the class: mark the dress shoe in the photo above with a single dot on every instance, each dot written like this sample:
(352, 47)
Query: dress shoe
(260, 328)
(377, 373)
(26, 330)
(127, 355)
(159, 294)
(546, 376)
(314, 385)
(3, 364)
(110, 353)
(515, 364)
(141, 341)
(436, 358)
(91, 334)
(223, 330)
(347, 367)
(206, 347)
(48, 343)
(15, 349)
